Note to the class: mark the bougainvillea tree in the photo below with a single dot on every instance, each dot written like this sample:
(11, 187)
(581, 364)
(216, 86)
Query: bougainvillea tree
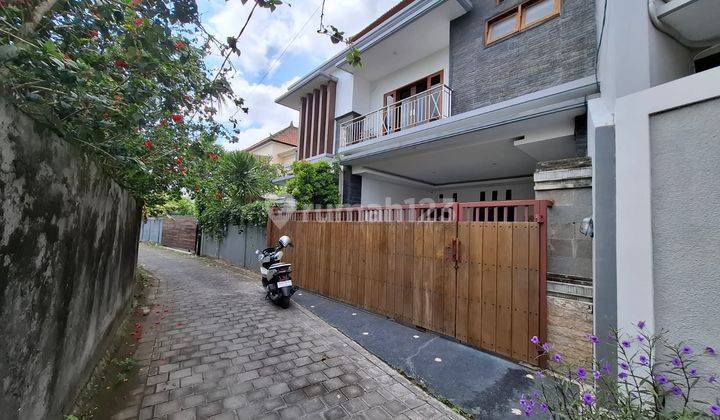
(126, 80)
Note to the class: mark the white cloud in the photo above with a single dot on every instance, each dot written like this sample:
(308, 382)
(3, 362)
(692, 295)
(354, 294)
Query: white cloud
(264, 117)
(266, 36)
(268, 33)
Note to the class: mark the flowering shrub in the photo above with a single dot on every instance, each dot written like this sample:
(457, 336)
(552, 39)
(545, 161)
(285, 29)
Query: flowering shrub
(654, 379)
(125, 80)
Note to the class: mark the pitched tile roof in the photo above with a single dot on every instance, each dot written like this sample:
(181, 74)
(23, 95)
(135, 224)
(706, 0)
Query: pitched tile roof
(288, 135)
(385, 16)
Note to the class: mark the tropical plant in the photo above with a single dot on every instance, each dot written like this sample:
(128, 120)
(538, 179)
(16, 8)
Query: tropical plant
(656, 379)
(315, 184)
(179, 206)
(227, 191)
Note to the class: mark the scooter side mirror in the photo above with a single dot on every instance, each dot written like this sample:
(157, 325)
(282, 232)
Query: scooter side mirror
(257, 252)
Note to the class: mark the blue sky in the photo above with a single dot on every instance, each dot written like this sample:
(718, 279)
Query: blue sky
(260, 76)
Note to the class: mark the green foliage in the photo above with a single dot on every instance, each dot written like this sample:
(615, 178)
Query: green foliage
(229, 191)
(125, 367)
(182, 206)
(125, 80)
(315, 184)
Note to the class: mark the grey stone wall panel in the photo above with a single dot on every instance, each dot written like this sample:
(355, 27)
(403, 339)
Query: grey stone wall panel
(68, 249)
(555, 52)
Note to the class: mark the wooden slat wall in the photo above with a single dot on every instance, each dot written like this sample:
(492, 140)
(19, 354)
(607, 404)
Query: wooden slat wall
(398, 269)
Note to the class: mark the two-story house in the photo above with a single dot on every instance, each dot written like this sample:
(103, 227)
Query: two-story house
(280, 147)
(456, 100)
(462, 101)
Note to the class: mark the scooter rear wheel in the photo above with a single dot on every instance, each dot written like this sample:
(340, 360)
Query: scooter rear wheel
(284, 302)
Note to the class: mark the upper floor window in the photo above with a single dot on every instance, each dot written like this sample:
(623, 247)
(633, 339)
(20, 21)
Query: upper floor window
(517, 19)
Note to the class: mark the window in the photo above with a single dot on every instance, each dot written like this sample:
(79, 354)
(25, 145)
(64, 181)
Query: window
(517, 19)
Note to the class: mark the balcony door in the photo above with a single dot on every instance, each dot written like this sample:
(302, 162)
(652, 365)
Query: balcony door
(406, 108)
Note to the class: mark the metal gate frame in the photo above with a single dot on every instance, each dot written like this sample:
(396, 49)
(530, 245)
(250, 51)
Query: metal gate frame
(497, 213)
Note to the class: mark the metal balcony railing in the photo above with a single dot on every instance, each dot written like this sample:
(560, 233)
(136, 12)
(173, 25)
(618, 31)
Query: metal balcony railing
(422, 108)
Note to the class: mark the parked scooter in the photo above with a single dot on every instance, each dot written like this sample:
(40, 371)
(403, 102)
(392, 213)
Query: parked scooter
(275, 274)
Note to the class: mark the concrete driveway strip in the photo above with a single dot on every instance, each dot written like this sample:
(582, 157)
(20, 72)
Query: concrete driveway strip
(480, 383)
(224, 352)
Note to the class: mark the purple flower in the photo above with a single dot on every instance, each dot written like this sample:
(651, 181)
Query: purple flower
(625, 343)
(624, 366)
(640, 338)
(677, 362)
(641, 324)
(546, 346)
(557, 357)
(715, 410)
(710, 351)
(597, 375)
(580, 372)
(606, 367)
(712, 379)
(693, 372)
(662, 379)
(535, 339)
(687, 350)
(588, 399)
(593, 338)
(543, 408)
(643, 360)
(676, 390)
(622, 375)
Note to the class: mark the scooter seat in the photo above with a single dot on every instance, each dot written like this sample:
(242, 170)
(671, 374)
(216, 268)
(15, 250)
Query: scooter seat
(279, 265)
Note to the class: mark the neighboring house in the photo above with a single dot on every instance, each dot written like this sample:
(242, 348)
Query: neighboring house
(488, 100)
(281, 147)
(654, 138)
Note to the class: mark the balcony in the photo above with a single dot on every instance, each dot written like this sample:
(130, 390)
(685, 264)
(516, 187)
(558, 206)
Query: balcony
(422, 108)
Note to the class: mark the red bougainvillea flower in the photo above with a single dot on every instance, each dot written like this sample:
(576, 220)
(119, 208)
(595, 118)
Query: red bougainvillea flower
(218, 196)
(135, 3)
(178, 45)
(183, 172)
(214, 156)
(139, 22)
(179, 160)
(149, 144)
(163, 122)
(94, 34)
(121, 64)
(177, 118)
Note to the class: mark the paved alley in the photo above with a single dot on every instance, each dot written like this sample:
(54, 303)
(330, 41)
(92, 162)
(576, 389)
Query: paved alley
(223, 351)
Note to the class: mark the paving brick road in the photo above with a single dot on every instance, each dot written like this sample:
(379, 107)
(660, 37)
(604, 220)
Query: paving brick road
(223, 352)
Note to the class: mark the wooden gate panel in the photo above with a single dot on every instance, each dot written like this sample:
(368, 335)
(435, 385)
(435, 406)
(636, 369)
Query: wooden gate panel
(418, 270)
(475, 282)
(534, 291)
(503, 327)
(520, 291)
(448, 289)
(486, 292)
(462, 305)
(489, 285)
(408, 270)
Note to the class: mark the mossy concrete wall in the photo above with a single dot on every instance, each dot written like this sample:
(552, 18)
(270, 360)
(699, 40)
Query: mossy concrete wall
(68, 249)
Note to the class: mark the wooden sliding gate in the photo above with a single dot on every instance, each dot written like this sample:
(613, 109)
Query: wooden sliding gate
(474, 271)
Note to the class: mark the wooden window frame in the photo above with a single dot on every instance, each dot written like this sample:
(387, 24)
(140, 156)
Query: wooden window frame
(520, 24)
(441, 73)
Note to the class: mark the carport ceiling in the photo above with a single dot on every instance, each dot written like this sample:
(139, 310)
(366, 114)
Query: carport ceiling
(470, 161)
